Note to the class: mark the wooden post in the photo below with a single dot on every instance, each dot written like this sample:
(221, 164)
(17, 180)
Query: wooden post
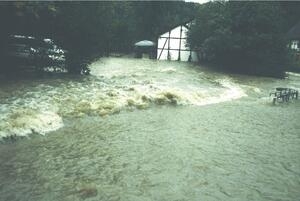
(169, 56)
(180, 43)
(162, 49)
(190, 56)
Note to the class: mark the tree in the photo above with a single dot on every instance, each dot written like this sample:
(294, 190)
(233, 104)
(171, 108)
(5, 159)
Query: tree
(244, 36)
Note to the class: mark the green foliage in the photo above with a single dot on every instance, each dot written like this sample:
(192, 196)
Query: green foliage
(244, 36)
(26, 17)
(155, 17)
(290, 11)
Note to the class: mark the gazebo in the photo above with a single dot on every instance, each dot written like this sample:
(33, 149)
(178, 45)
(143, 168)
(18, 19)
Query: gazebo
(145, 48)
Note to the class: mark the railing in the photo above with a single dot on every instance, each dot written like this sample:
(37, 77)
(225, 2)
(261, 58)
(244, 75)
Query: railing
(284, 94)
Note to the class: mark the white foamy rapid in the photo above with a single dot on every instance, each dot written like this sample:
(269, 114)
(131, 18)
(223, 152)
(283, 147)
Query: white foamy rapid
(143, 82)
(116, 84)
(21, 118)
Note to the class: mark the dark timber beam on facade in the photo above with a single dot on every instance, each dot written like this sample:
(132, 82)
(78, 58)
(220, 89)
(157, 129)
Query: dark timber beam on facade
(169, 56)
(172, 37)
(162, 49)
(175, 49)
(180, 43)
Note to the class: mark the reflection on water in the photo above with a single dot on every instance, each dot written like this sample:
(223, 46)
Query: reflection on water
(166, 142)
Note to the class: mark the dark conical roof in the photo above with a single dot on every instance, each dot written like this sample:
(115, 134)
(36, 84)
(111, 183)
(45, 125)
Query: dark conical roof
(294, 32)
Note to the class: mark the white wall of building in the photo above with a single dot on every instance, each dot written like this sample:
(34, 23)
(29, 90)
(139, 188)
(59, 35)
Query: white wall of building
(162, 54)
(295, 45)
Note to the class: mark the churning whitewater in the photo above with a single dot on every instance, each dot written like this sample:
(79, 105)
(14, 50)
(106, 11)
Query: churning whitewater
(115, 85)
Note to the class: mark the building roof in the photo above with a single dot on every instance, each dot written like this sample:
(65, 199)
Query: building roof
(294, 32)
(176, 25)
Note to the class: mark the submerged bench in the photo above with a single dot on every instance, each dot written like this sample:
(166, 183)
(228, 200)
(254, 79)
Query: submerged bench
(284, 94)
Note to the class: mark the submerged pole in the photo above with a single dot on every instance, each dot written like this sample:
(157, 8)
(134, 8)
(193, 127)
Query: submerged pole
(180, 43)
(169, 56)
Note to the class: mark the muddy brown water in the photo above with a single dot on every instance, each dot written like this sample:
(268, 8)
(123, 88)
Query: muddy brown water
(148, 130)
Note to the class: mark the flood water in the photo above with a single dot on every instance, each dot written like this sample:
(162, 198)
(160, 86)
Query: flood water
(148, 130)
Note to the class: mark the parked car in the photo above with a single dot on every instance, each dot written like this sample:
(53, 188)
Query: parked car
(22, 50)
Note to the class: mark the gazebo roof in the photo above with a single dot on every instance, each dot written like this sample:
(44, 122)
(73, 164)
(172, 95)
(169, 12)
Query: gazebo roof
(144, 43)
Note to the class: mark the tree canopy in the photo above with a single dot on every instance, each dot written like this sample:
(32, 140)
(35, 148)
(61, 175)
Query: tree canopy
(246, 36)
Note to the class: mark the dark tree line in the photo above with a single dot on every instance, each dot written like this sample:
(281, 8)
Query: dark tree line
(245, 36)
(89, 30)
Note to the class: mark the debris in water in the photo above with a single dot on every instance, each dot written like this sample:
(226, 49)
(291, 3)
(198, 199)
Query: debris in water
(87, 192)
